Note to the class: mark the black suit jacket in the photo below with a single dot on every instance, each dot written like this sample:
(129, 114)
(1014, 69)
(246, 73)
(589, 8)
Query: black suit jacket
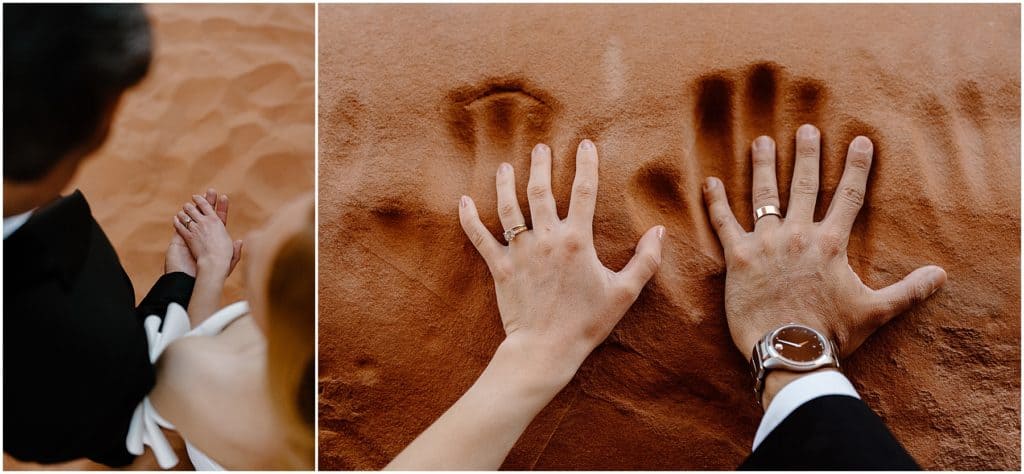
(76, 359)
(833, 432)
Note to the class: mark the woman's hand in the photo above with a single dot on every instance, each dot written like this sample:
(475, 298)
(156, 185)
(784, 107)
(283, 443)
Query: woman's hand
(557, 300)
(202, 227)
(796, 270)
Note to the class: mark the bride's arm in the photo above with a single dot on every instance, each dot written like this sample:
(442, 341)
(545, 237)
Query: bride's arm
(208, 239)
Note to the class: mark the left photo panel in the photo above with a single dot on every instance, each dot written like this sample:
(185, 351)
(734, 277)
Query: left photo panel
(159, 236)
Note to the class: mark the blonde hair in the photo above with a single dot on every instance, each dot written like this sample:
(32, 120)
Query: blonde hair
(291, 291)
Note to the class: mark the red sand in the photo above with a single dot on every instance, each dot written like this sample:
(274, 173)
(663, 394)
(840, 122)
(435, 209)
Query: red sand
(419, 104)
(229, 102)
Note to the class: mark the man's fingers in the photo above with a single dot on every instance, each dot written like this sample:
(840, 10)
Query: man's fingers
(508, 204)
(236, 252)
(584, 186)
(542, 202)
(478, 234)
(765, 190)
(211, 196)
(906, 293)
(645, 261)
(803, 192)
(850, 194)
(722, 218)
(221, 207)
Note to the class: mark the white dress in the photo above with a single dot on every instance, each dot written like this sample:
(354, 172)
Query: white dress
(146, 422)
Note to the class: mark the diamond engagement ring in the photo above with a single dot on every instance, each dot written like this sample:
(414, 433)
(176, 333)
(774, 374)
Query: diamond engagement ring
(513, 232)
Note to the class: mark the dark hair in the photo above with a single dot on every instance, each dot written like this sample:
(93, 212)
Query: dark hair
(64, 66)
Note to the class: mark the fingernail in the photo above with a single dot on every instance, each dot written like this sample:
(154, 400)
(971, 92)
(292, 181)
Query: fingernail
(862, 144)
(586, 144)
(505, 168)
(762, 143)
(463, 201)
(661, 232)
(540, 148)
(807, 131)
(709, 184)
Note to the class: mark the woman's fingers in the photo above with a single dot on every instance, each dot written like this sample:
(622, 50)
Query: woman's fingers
(645, 261)
(211, 196)
(191, 212)
(508, 203)
(803, 192)
(181, 229)
(849, 195)
(584, 186)
(906, 293)
(722, 218)
(203, 205)
(765, 191)
(542, 203)
(478, 234)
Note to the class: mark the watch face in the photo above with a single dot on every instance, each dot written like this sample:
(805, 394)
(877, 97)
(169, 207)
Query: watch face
(797, 344)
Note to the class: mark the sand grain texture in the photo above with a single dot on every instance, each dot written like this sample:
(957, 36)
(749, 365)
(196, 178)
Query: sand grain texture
(419, 104)
(228, 102)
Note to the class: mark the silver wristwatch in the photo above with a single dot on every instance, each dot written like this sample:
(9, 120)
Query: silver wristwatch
(793, 347)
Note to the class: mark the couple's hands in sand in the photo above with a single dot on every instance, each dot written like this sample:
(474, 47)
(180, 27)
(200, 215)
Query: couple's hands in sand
(204, 240)
(557, 300)
(796, 270)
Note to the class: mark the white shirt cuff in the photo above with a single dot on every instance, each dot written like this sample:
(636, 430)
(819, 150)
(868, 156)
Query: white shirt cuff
(798, 392)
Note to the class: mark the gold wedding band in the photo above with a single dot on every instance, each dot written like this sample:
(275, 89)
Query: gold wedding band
(766, 210)
(513, 232)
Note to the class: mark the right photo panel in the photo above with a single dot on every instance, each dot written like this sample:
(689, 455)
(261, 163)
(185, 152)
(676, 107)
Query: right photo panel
(684, 237)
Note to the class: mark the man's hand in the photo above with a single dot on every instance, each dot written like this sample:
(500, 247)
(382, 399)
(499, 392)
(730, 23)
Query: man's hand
(180, 259)
(796, 270)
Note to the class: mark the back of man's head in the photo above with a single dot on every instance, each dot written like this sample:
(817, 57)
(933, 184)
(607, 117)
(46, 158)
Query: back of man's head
(65, 66)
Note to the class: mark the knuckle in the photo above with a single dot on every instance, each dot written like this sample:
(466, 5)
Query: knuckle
(537, 191)
(852, 195)
(740, 258)
(720, 221)
(762, 159)
(860, 161)
(477, 238)
(573, 242)
(796, 243)
(805, 186)
(765, 194)
(507, 209)
(625, 293)
(501, 271)
(831, 244)
(586, 189)
(807, 151)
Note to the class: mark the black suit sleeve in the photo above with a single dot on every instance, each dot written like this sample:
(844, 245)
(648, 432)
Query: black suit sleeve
(171, 288)
(833, 432)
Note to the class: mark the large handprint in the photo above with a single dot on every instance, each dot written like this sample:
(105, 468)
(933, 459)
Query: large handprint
(180, 259)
